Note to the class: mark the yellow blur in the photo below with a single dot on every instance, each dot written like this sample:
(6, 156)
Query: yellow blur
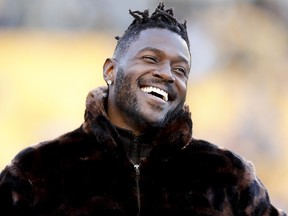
(44, 79)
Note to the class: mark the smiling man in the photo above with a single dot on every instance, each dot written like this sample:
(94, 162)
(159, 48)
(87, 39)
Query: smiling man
(149, 80)
(135, 154)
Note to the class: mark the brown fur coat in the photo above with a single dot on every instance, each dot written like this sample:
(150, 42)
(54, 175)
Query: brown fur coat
(87, 172)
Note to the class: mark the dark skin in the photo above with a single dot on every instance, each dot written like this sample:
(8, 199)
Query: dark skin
(151, 80)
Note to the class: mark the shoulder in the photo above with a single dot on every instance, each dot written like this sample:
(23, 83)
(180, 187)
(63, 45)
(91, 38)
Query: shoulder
(231, 168)
(52, 152)
(221, 161)
(214, 152)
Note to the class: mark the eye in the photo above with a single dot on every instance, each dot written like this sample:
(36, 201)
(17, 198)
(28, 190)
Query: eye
(180, 70)
(151, 59)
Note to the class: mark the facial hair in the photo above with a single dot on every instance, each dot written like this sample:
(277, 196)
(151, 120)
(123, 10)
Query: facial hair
(128, 103)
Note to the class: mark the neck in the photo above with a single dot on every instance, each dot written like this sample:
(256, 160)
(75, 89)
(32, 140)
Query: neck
(118, 119)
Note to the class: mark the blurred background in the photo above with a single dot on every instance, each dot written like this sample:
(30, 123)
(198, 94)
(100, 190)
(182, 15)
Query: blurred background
(52, 51)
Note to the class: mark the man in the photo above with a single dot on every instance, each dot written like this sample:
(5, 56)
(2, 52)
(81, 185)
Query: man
(134, 153)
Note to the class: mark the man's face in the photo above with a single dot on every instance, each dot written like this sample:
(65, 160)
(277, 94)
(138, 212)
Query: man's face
(151, 80)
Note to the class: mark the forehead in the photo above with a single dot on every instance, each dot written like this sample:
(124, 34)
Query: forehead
(162, 39)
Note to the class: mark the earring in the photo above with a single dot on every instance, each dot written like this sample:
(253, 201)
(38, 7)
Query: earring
(109, 82)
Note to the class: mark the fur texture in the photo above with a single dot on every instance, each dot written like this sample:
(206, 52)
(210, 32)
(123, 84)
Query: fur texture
(87, 172)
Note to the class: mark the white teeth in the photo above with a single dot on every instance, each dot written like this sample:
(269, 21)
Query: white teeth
(156, 90)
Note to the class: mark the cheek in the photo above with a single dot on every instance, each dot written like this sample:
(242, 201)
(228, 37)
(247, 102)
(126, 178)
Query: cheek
(181, 87)
(132, 73)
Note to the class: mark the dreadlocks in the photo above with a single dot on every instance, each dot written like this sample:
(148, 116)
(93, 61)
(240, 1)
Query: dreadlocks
(161, 18)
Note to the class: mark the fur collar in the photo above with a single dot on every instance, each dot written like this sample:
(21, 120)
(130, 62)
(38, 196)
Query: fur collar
(176, 133)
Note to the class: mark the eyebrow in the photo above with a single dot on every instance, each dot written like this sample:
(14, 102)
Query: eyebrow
(160, 52)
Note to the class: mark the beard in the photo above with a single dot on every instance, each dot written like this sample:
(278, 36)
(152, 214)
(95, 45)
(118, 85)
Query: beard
(129, 104)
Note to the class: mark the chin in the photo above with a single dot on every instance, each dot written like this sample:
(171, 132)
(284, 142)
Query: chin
(157, 121)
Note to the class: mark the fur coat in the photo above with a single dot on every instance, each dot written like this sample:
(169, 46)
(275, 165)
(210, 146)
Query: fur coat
(87, 172)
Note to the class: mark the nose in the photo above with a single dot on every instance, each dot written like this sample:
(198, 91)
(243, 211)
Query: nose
(164, 72)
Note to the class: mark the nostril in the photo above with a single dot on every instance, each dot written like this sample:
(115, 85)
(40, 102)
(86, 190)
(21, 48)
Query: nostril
(156, 74)
(172, 80)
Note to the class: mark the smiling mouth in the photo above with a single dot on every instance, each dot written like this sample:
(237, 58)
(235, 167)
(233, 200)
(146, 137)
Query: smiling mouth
(156, 92)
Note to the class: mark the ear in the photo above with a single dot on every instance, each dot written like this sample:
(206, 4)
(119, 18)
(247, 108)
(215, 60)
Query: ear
(109, 69)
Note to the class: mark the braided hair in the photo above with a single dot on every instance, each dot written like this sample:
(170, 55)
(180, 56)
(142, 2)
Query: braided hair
(160, 18)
